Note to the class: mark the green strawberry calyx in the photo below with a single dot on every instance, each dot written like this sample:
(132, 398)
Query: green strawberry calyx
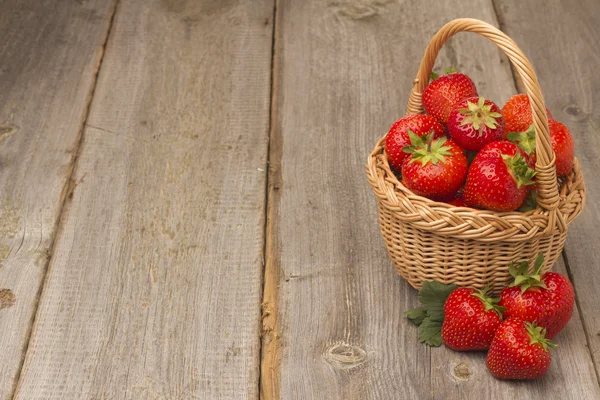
(530, 202)
(519, 169)
(525, 140)
(435, 75)
(537, 335)
(426, 149)
(527, 280)
(490, 303)
(479, 115)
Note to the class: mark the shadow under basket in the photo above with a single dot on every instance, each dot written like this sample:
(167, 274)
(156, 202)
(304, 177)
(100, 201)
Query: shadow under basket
(429, 240)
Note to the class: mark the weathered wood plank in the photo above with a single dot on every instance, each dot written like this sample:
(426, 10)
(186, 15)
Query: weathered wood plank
(49, 58)
(154, 287)
(562, 42)
(343, 73)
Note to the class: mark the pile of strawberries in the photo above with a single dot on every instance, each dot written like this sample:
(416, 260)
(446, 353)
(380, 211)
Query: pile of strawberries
(468, 152)
(516, 328)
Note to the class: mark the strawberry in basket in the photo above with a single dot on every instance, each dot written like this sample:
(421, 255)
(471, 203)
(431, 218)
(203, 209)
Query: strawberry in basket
(517, 113)
(442, 94)
(397, 138)
(561, 140)
(499, 177)
(435, 169)
(475, 122)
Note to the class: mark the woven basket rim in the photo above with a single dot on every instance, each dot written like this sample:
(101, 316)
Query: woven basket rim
(466, 222)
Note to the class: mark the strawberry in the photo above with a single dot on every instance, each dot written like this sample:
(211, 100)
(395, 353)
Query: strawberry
(458, 201)
(436, 169)
(519, 350)
(440, 96)
(471, 319)
(475, 122)
(561, 140)
(563, 147)
(499, 177)
(547, 299)
(397, 138)
(517, 113)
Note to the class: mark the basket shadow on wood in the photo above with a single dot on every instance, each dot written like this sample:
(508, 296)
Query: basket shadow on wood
(429, 240)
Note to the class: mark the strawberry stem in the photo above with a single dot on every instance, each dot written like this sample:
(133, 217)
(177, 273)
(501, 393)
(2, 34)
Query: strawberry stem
(490, 303)
(527, 280)
(537, 335)
(426, 148)
(519, 169)
(479, 115)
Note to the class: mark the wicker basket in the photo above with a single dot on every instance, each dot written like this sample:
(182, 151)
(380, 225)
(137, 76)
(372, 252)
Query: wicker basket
(430, 240)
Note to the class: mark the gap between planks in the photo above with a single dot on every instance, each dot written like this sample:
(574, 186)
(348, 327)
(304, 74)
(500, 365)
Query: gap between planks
(270, 351)
(66, 193)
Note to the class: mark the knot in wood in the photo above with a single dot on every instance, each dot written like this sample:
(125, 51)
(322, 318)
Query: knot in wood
(463, 371)
(345, 356)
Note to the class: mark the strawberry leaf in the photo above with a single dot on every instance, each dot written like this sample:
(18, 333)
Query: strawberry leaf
(430, 315)
(432, 296)
(450, 70)
(434, 75)
(417, 315)
(527, 280)
(530, 203)
(525, 140)
(430, 332)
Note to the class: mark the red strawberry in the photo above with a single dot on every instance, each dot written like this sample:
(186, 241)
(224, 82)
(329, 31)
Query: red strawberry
(475, 122)
(471, 319)
(458, 201)
(519, 350)
(440, 96)
(563, 146)
(498, 177)
(561, 140)
(397, 138)
(436, 169)
(547, 299)
(517, 113)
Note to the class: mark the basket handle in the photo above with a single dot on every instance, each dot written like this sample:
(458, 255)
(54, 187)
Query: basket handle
(547, 184)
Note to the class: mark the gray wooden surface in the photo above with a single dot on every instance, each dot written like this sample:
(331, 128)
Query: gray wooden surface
(154, 288)
(48, 60)
(221, 170)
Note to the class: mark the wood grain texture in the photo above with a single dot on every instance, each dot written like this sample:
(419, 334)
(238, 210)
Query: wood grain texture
(562, 41)
(49, 57)
(154, 288)
(343, 75)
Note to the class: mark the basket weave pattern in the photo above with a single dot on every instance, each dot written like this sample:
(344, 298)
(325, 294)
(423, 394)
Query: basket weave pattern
(429, 240)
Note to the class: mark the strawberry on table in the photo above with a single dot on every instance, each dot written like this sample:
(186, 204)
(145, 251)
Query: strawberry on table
(471, 319)
(519, 350)
(440, 96)
(435, 169)
(517, 113)
(397, 137)
(475, 122)
(561, 140)
(499, 177)
(547, 299)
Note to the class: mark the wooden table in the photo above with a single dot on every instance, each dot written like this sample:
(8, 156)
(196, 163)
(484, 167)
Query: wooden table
(184, 212)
